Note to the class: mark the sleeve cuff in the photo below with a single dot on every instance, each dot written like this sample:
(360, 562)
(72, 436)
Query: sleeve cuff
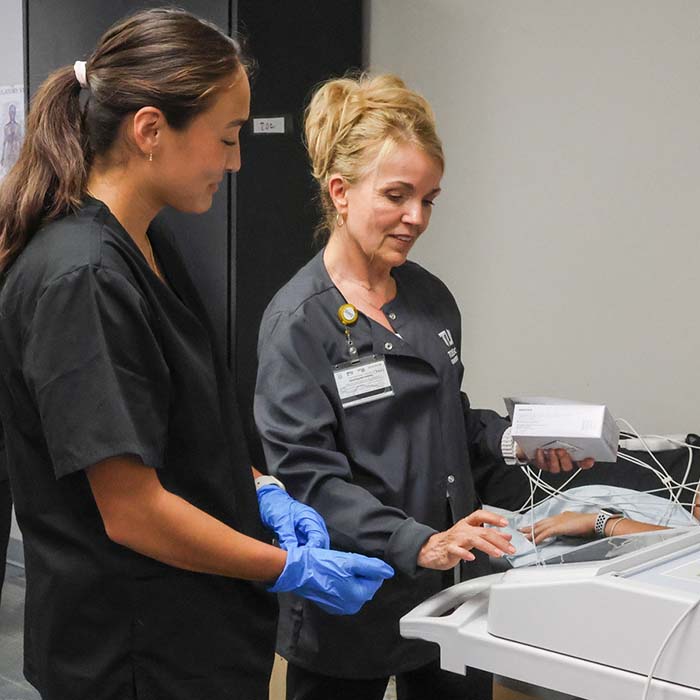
(405, 544)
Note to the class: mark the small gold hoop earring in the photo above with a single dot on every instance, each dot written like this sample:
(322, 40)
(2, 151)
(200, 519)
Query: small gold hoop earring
(339, 220)
(150, 157)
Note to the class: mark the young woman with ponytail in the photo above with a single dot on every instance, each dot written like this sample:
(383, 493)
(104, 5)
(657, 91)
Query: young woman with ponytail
(146, 547)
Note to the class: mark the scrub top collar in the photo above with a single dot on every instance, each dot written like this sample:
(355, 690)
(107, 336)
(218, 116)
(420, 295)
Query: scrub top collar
(175, 282)
(409, 339)
(383, 340)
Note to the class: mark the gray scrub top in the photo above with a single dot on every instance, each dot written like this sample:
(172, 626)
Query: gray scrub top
(386, 474)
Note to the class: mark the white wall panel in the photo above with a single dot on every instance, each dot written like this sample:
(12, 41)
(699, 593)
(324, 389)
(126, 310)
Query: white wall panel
(568, 228)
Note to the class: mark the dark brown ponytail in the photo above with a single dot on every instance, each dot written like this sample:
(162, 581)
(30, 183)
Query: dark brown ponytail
(164, 58)
(50, 174)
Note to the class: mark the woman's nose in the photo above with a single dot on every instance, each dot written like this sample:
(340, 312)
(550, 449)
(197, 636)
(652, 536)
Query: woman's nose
(414, 214)
(233, 161)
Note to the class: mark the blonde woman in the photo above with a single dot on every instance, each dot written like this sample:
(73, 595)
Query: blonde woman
(358, 399)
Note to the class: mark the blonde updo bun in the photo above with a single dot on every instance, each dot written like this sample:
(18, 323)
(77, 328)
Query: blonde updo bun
(351, 121)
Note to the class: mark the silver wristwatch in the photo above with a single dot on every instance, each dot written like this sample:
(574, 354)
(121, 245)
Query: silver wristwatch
(265, 479)
(601, 521)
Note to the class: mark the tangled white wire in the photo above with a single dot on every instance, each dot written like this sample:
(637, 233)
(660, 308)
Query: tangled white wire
(675, 489)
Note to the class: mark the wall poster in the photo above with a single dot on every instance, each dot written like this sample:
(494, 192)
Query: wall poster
(12, 121)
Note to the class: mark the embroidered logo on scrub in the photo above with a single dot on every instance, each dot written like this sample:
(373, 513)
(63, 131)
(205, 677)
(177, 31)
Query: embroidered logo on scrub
(446, 336)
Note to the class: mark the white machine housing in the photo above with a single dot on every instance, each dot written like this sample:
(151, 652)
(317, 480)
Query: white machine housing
(592, 630)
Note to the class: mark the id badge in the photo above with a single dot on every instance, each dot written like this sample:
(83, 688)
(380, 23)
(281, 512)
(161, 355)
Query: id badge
(362, 381)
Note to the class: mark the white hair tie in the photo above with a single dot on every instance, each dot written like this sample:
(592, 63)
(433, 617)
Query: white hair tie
(80, 70)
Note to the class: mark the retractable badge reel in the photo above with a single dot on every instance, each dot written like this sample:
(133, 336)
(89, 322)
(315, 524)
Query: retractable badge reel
(362, 379)
(348, 316)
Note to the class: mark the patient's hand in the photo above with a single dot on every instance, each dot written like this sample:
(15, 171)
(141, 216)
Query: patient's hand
(555, 461)
(566, 523)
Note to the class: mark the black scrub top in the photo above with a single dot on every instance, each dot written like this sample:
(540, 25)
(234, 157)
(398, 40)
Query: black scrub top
(99, 358)
(386, 474)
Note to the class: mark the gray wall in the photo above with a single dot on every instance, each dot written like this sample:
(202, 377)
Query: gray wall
(568, 224)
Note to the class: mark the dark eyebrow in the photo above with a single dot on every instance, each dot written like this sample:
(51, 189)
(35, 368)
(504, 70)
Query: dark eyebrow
(409, 186)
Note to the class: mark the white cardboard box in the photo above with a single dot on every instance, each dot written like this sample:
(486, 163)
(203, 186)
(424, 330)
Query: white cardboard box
(583, 430)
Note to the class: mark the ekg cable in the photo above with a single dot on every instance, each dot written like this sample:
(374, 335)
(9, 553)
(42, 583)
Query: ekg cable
(528, 473)
(668, 482)
(664, 644)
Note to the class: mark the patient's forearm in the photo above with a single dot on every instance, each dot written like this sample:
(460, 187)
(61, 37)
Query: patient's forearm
(625, 526)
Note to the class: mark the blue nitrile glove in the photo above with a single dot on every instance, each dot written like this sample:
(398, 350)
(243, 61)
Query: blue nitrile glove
(293, 522)
(338, 582)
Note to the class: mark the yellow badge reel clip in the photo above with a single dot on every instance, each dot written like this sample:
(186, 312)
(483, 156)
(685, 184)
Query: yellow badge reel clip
(348, 316)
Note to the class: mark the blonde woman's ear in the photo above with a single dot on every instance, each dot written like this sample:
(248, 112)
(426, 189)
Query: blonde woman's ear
(337, 189)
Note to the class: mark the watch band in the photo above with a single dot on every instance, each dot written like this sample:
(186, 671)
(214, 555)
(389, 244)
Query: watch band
(509, 449)
(265, 479)
(602, 520)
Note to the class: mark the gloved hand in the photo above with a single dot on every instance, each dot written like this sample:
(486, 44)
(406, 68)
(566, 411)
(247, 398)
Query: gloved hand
(294, 523)
(338, 582)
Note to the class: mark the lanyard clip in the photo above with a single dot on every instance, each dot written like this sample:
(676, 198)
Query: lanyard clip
(348, 316)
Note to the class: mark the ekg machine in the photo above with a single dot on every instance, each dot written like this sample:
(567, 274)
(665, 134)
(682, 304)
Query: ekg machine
(591, 625)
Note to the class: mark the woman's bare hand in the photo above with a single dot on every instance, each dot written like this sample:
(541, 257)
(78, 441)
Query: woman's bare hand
(444, 550)
(566, 523)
